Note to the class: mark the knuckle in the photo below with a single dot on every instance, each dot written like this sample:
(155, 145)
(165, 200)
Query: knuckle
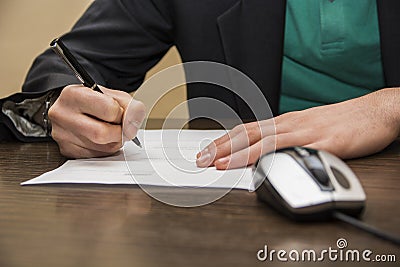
(58, 135)
(62, 150)
(289, 117)
(52, 113)
(253, 132)
(104, 134)
(57, 113)
(115, 115)
(98, 135)
(55, 134)
(251, 125)
(69, 91)
(239, 128)
(278, 119)
(65, 152)
(279, 128)
(111, 110)
(113, 147)
(72, 94)
(125, 94)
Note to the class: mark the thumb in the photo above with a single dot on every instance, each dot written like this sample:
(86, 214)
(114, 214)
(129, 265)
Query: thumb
(134, 112)
(123, 98)
(133, 118)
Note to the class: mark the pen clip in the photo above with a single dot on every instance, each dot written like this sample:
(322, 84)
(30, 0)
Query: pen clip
(59, 51)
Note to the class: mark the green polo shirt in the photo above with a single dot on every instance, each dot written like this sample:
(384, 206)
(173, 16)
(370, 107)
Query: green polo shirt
(331, 52)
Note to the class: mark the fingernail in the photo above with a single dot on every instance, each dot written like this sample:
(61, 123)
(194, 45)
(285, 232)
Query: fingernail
(204, 160)
(205, 151)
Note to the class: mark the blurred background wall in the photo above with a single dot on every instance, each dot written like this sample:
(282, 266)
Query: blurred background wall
(28, 26)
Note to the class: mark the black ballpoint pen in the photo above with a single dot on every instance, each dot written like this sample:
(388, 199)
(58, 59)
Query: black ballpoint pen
(58, 46)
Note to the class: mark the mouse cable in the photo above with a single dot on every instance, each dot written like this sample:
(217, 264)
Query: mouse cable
(366, 227)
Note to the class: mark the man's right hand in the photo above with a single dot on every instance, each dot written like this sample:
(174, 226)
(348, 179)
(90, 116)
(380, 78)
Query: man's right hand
(86, 123)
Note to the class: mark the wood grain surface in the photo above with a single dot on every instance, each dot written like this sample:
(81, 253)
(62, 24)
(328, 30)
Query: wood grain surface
(93, 225)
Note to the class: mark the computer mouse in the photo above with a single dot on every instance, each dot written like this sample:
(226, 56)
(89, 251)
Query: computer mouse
(308, 184)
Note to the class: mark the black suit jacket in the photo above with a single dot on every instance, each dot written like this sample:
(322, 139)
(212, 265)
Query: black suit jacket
(118, 41)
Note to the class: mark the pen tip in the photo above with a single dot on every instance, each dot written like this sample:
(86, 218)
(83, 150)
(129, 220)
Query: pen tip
(137, 142)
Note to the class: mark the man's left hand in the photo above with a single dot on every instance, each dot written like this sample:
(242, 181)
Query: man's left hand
(353, 128)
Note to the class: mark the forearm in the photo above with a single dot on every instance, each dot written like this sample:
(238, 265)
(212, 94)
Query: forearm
(389, 102)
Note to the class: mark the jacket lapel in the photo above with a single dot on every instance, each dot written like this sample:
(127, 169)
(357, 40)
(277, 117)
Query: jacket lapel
(389, 23)
(252, 33)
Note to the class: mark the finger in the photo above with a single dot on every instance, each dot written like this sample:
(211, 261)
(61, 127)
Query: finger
(235, 140)
(62, 135)
(205, 154)
(92, 103)
(251, 154)
(134, 112)
(241, 137)
(123, 98)
(133, 118)
(74, 151)
(246, 156)
(213, 152)
(98, 132)
(232, 133)
(255, 131)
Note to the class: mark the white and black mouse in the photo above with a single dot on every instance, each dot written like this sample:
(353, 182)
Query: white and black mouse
(307, 184)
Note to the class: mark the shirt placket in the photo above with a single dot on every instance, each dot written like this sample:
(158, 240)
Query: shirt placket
(332, 26)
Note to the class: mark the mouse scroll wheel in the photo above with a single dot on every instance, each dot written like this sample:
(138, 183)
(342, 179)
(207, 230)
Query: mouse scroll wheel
(317, 169)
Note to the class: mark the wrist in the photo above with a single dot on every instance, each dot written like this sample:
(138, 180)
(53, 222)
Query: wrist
(41, 116)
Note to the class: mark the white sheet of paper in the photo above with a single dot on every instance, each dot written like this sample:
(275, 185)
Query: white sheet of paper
(168, 158)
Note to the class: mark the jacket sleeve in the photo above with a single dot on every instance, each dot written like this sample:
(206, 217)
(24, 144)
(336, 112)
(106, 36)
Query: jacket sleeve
(117, 41)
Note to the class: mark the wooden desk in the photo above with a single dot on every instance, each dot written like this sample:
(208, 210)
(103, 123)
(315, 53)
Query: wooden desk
(93, 225)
